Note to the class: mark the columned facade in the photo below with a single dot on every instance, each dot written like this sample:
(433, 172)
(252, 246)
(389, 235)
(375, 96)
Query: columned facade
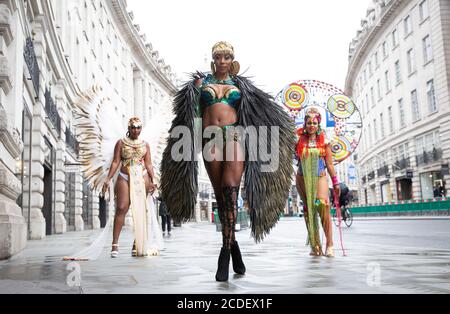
(50, 51)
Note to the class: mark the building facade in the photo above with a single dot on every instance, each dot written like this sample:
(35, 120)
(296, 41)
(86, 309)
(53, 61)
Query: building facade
(347, 174)
(50, 51)
(399, 75)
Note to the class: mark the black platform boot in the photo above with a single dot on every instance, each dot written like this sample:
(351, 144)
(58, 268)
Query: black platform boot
(238, 263)
(223, 268)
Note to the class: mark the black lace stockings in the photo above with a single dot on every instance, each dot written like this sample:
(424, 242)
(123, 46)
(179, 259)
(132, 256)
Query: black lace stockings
(228, 215)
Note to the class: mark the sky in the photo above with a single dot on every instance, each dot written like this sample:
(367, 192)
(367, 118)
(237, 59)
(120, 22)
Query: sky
(276, 42)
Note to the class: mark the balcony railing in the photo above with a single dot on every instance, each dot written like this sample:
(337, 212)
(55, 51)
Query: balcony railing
(52, 112)
(402, 164)
(29, 55)
(429, 157)
(71, 141)
(383, 171)
(364, 179)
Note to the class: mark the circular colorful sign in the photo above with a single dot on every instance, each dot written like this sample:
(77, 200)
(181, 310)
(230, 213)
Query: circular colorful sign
(341, 119)
(341, 106)
(295, 97)
(341, 148)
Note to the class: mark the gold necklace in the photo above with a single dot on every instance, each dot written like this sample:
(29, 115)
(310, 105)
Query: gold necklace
(131, 142)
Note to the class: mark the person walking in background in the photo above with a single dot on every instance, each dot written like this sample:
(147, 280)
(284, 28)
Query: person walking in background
(165, 217)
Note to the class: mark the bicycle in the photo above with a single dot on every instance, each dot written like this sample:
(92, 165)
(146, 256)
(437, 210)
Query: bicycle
(345, 199)
(347, 216)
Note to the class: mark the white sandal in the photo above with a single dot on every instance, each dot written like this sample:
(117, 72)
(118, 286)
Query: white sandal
(115, 254)
(330, 252)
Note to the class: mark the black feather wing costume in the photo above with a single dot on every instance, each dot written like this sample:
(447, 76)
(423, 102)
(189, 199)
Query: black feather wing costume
(266, 192)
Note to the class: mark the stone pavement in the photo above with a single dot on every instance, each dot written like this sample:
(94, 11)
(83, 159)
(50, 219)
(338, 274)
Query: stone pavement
(384, 256)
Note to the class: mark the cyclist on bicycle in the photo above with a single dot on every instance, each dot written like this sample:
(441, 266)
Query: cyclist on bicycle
(344, 200)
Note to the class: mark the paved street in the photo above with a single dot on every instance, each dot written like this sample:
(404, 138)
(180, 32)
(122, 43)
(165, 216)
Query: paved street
(384, 256)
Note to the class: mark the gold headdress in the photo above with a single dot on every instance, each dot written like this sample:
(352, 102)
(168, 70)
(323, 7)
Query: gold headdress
(223, 47)
(135, 122)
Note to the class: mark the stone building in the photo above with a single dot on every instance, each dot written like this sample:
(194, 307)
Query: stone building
(399, 75)
(50, 51)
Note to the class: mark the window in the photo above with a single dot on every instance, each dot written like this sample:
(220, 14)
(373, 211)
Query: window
(427, 49)
(101, 56)
(432, 105)
(394, 154)
(423, 10)
(108, 67)
(367, 103)
(377, 61)
(382, 131)
(374, 163)
(411, 61)
(102, 15)
(150, 90)
(379, 89)
(402, 151)
(408, 25)
(420, 145)
(391, 120)
(370, 134)
(86, 20)
(401, 111)
(383, 159)
(372, 96)
(375, 130)
(94, 40)
(385, 50)
(398, 73)
(426, 143)
(370, 69)
(415, 106)
(394, 38)
(156, 96)
(388, 82)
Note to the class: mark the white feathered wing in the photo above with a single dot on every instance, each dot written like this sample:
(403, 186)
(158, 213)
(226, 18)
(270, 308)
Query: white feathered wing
(99, 128)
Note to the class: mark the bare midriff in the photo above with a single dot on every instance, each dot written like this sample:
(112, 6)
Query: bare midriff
(219, 115)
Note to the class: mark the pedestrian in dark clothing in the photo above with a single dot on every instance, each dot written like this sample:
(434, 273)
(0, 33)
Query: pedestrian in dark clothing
(165, 217)
(439, 191)
(436, 192)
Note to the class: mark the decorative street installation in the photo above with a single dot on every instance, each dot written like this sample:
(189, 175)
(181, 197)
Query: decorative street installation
(343, 123)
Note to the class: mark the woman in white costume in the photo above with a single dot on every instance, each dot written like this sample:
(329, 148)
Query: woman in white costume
(135, 180)
(104, 150)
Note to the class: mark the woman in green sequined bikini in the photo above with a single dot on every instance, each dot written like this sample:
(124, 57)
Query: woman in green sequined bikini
(219, 100)
(223, 100)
